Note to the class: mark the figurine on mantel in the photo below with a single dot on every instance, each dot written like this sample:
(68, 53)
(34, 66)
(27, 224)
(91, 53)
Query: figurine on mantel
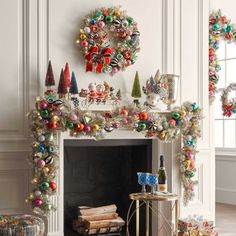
(155, 92)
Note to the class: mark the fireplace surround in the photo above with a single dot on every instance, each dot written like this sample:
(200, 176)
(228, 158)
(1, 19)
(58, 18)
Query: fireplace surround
(55, 225)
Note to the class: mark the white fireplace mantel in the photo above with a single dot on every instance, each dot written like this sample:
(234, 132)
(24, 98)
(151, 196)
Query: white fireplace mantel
(56, 219)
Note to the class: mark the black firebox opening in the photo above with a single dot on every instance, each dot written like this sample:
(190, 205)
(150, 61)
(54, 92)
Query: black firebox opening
(103, 172)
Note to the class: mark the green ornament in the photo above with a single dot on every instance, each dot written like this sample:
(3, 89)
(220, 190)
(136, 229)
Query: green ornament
(130, 20)
(132, 61)
(194, 106)
(190, 174)
(165, 124)
(87, 119)
(217, 67)
(109, 19)
(216, 27)
(51, 99)
(175, 115)
(69, 125)
(119, 56)
(98, 14)
(229, 28)
(44, 185)
(51, 149)
(49, 137)
(142, 126)
(44, 113)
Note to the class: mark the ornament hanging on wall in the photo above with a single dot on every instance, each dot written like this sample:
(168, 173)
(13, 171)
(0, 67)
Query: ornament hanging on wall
(220, 28)
(109, 39)
(228, 105)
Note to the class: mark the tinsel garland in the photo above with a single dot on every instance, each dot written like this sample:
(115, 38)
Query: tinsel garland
(228, 105)
(219, 28)
(52, 115)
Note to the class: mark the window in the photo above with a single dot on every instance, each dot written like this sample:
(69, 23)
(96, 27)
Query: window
(225, 128)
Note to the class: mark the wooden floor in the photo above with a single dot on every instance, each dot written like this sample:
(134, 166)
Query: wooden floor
(226, 219)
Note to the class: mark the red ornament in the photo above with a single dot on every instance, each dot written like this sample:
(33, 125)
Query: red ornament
(53, 185)
(94, 28)
(228, 36)
(211, 52)
(223, 19)
(211, 86)
(84, 43)
(80, 127)
(52, 125)
(143, 115)
(213, 21)
(126, 54)
(124, 112)
(108, 115)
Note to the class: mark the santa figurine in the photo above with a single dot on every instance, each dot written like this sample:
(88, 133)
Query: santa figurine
(100, 92)
(92, 92)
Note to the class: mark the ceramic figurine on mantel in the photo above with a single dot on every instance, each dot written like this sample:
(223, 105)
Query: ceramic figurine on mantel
(155, 92)
(161, 90)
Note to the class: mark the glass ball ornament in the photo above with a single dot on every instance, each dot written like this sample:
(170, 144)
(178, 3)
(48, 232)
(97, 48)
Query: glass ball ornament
(37, 193)
(38, 202)
(41, 138)
(44, 185)
(40, 163)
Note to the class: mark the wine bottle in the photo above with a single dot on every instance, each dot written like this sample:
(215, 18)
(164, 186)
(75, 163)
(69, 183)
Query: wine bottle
(162, 176)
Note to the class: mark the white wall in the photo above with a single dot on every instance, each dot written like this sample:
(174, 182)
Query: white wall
(174, 38)
(225, 160)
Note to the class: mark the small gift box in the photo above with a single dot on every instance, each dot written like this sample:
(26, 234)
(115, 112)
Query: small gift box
(197, 223)
(199, 233)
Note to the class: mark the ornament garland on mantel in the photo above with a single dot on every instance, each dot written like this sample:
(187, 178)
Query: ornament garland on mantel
(109, 39)
(53, 114)
(220, 27)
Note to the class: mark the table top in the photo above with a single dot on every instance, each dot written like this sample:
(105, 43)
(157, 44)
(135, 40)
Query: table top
(153, 197)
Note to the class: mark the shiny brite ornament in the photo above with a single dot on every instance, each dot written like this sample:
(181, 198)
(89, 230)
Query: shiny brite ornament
(40, 163)
(38, 202)
(109, 52)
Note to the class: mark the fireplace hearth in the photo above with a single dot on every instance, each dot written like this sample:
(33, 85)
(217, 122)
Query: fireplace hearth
(98, 173)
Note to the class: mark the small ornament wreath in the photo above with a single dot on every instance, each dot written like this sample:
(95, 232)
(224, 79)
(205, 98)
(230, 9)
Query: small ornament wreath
(228, 105)
(109, 40)
(219, 27)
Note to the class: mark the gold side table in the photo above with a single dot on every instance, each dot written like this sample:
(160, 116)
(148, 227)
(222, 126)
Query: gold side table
(146, 199)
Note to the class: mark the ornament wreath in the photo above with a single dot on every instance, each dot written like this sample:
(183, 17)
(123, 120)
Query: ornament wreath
(219, 28)
(228, 105)
(109, 39)
(53, 114)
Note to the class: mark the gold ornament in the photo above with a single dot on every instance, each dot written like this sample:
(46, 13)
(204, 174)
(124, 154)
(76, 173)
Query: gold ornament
(45, 170)
(183, 113)
(187, 163)
(162, 135)
(117, 13)
(82, 36)
(95, 127)
(55, 118)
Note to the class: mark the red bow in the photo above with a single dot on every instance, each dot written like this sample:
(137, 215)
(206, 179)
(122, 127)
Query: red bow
(98, 59)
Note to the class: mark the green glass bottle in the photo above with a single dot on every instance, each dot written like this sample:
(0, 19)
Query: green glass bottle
(162, 177)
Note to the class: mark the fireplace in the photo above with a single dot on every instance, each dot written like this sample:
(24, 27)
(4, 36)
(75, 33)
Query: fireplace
(99, 173)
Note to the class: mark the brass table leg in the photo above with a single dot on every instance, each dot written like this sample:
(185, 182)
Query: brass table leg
(137, 217)
(176, 216)
(147, 218)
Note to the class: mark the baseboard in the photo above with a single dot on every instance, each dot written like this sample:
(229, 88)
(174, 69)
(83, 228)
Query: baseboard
(227, 196)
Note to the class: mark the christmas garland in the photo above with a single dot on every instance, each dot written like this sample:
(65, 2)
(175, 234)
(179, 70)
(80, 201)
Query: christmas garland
(53, 114)
(228, 105)
(219, 27)
(102, 29)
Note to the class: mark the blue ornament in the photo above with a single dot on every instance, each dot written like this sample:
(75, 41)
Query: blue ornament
(223, 30)
(189, 142)
(93, 21)
(216, 46)
(234, 111)
(194, 106)
(41, 148)
(229, 28)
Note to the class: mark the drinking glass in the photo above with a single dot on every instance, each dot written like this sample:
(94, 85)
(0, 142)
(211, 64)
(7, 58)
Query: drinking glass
(143, 180)
(152, 182)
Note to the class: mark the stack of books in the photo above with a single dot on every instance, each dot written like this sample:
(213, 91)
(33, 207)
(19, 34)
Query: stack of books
(98, 220)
